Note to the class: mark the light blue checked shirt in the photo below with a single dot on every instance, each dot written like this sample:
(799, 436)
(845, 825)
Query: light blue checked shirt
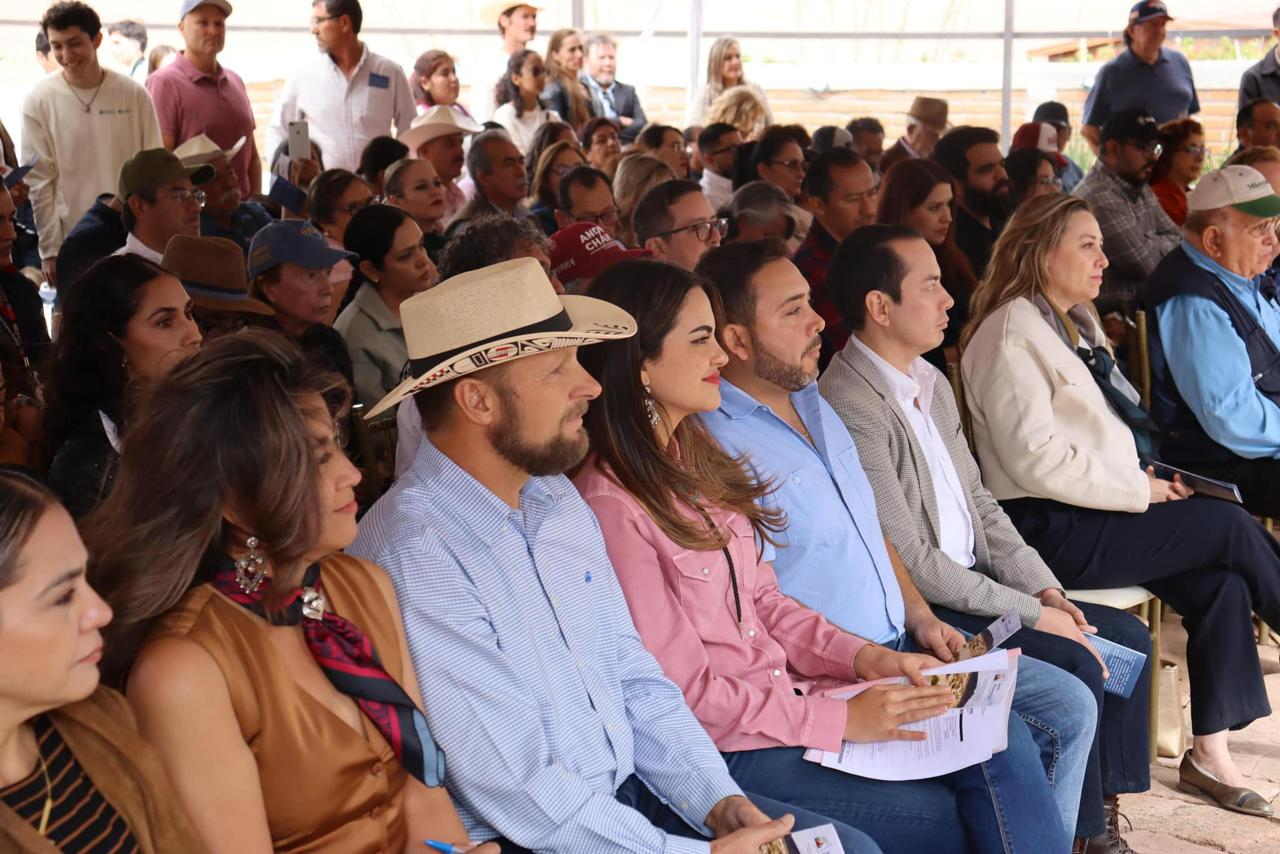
(535, 682)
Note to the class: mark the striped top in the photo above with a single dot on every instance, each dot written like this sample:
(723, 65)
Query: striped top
(82, 820)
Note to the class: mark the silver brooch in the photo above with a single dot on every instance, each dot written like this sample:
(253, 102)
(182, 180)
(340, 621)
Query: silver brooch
(313, 603)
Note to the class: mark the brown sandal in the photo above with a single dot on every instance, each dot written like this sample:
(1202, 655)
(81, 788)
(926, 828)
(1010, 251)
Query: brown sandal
(1196, 781)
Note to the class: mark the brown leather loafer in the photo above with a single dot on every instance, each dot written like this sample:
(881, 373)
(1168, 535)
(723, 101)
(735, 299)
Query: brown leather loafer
(1196, 781)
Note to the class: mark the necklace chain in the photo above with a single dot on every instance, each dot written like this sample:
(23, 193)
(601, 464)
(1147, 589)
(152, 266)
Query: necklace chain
(87, 106)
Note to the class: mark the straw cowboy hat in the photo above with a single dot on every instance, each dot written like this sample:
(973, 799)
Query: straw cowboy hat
(200, 149)
(492, 316)
(436, 122)
(491, 12)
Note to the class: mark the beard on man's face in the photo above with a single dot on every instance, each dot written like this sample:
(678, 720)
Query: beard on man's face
(554, 456)
(996, 204)
(791, 376)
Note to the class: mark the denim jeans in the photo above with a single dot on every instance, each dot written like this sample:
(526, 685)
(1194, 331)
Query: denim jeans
(1062, 715)
(1000, 806)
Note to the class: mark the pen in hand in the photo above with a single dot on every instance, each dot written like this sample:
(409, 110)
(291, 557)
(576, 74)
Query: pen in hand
(442, 847)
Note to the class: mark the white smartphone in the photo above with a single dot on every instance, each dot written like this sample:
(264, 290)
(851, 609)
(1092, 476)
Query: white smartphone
(299, 141)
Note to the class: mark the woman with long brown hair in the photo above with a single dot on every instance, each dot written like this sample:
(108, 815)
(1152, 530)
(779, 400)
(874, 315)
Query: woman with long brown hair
(637, 174)
(269, 669)
(918, 193)
(689, 531)
(1065, 448)
(557, 160)
(565, 93)
(724, 71)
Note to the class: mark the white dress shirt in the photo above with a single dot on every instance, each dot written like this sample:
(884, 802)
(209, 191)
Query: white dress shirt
(134, 246)
(344, 114)
(914, 393)
(716, 188)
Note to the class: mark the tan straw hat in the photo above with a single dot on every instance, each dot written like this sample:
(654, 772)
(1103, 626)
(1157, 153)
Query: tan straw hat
(491, 316)
(491, 12)
(436, 122)
(200, 149)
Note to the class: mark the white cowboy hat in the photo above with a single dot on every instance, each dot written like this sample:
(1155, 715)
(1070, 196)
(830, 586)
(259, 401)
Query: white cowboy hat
(200, 149)
(491, 316)
(491, 12)
(438, 121)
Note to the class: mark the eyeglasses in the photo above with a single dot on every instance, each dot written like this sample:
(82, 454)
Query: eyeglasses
(1151, 149)
(183, 197)
(608, 218)
(725, 150)
(791, 165)
(1050, 181)
(355, 207)
(701, 230)
(1196, 150)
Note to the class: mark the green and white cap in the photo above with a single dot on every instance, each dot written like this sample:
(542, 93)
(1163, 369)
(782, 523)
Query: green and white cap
(1241, 187)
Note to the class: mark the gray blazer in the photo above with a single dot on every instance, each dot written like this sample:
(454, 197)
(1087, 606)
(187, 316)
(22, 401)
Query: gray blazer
(1007, 573)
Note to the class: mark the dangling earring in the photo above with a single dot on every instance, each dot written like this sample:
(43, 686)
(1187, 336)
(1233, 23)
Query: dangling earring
(651, 408)
(251, 569)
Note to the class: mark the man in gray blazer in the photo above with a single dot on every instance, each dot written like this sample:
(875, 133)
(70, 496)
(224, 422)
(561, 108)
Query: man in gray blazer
(833, 555)
(958, 545)
(609, 98)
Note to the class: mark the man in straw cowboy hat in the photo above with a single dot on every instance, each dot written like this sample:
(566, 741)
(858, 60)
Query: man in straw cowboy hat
(436, 135)
(562, 732)
(225, 213)
(926, 123)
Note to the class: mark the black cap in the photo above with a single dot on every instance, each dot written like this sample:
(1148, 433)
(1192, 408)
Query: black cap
(1134, 125)
(1148, 10)
(1054, 113)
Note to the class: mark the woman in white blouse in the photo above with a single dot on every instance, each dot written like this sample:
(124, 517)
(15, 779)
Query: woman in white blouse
(520, 111)
(724, 71)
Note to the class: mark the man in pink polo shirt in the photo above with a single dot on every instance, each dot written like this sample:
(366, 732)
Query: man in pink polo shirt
(195, 95)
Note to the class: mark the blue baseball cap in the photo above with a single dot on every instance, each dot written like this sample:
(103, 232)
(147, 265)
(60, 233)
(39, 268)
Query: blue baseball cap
(1148, 10)
(292, 241)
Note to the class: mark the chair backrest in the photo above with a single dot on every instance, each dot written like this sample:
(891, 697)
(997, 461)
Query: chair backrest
(962, 405)
(376, 441)
(1140, 358)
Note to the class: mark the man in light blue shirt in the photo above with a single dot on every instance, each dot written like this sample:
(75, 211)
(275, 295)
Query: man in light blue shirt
(833, 555)
(561, 730)
(1215, 351)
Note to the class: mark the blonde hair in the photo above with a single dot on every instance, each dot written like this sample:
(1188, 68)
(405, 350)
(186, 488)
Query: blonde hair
(1254, 154)
(579, 105)
(637, 174)
(549, 195)
(739, 106)
(715, 64)
(1019, 266)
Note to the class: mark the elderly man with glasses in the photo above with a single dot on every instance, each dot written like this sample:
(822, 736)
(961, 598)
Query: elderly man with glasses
(1215, 345)
(676, 223)
(1136, 230)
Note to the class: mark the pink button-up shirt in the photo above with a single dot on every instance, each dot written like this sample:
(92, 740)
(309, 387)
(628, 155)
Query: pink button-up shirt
(742, 685)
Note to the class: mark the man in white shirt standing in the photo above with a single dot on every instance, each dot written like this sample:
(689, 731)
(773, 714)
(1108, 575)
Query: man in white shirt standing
(160, 201)
(346, 94)
(79, 126)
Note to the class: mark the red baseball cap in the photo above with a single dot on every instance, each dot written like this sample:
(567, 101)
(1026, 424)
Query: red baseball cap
(584, 250)
(1039, 135)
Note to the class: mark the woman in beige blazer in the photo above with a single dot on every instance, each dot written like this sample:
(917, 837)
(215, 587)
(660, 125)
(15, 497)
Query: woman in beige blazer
(1060, 433)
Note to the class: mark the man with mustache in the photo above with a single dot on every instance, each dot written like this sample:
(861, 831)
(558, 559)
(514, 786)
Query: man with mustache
(1135, 229)
(972, 155)
(225, 213)
(436, 135)
(160, 200)
(347, 94)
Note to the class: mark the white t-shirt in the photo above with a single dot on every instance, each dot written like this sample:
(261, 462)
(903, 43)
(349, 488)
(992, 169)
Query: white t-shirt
(79, 153)
(522, 128)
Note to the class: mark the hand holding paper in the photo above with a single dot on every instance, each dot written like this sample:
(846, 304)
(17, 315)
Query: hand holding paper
(878, 662)
(879, 712)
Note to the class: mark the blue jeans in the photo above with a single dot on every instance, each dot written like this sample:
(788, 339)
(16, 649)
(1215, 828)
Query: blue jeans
(1001, 806)
(1062, 715)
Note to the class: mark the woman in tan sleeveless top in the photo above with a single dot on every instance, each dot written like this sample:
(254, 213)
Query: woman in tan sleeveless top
(269, 669)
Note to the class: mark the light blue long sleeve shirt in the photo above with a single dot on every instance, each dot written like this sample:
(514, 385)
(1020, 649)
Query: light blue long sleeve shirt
(535, 682)
(832, 555)
(1209, 363)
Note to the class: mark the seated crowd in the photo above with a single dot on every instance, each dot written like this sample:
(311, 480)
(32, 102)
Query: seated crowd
(537, 483)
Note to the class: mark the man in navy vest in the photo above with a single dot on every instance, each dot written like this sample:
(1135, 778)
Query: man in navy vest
(1215, 347)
